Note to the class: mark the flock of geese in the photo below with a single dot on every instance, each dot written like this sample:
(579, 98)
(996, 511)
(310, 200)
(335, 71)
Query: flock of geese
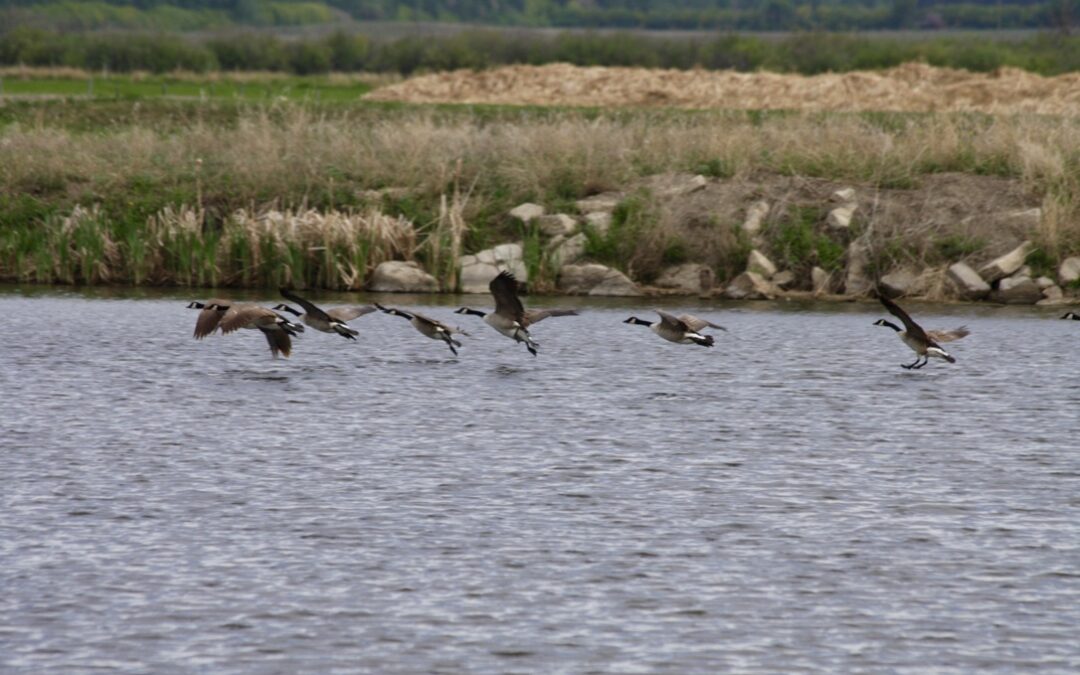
(509, 318)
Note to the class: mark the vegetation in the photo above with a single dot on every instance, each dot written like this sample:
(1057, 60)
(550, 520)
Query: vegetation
(229, 192)
(806, 53)
(657, 14)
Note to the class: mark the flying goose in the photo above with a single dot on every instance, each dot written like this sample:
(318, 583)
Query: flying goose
(327, 321)
(924, 343)
(684, 329)
(510, 317)
(277, 329)
(1071, 315)
(212, 311)
(436, 330)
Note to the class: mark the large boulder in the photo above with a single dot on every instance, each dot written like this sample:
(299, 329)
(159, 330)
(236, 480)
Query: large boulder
(898, 283)
(784, 279)
(758, 262)
(527, 212)
(1069, 271)
(1005, 265)
(605, 202)
(398, 276)
(755, 217)
(1018, 290)
(599, 222)
(594, 279)
(566, 250)
(857, 281)
(478, 270)
(751, 286)
(969, 285)
(689, 278)
(820, 281)
(556, 224)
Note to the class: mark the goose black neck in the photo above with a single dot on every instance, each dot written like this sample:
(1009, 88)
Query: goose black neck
(474, 312)
(890, 325)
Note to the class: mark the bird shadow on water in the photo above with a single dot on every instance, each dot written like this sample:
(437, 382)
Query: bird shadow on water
(255, 375)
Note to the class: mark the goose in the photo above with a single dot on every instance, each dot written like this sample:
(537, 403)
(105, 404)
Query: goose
(684, 329)
(436, 330)
(277, 329)
(210, 316)
(327, 321)
(924, 343)
(1071, 315)
(510, 317)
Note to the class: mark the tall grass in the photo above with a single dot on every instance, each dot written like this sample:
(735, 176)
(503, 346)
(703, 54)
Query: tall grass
(291, 193)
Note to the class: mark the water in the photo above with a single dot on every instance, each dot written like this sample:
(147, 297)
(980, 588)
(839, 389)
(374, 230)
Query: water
(790, 501)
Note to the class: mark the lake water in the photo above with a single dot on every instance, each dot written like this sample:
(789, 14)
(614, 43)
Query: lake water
(789, 501)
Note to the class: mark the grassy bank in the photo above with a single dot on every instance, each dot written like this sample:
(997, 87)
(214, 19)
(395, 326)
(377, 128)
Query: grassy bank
(232, 193)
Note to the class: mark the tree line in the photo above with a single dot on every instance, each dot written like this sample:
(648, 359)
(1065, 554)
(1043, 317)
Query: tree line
(807, 53)
(773, 15)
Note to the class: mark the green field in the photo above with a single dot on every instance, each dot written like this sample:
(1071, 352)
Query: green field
(313, 89)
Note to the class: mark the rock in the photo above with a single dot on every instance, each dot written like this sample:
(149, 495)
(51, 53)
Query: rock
(1044, 283)
(1005, 265)
(478, 270)
(689, 278)
(593, 279)
(398, 276)
(527, 212)
(1069, 271)
(969, 285)
(898, 283)
(858, 259)
(1053, 292)
(605, 202)
(759, 263)
(599, 221)
(556, 224)
(755, 216)
(844, 196)
(821, 281)
(784, 279)
(564, 251)
(840, 217)
(1017, 291)
(1026, 219)
(751, 286)
(1024, 271)
(675, 184)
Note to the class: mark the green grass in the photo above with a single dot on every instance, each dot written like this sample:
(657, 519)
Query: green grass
(316, 89)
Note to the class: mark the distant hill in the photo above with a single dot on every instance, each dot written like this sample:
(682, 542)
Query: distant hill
(757, 15)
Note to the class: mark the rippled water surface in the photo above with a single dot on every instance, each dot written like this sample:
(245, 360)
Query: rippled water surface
(789, 501)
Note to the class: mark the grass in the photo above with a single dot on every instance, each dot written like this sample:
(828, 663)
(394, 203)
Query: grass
(174, 191)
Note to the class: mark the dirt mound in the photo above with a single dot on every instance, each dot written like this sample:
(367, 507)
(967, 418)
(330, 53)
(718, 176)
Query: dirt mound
(911, 88)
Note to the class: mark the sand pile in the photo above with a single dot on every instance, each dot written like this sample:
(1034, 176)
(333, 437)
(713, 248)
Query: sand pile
(911, 88)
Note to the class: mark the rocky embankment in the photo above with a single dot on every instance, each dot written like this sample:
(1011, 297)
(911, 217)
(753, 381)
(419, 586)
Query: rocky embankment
(856, 225)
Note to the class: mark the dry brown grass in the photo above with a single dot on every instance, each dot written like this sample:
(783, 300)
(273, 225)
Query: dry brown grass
(911, 87)
(217, 76)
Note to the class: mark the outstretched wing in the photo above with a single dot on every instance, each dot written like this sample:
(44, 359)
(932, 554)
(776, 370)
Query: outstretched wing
(913, 329)
(535, 315)
(279, 341)
(948, 335)
(673, 321)
(239, 316)
(207, 321)
(440, 324)
(695, 324)
(504, 290)
(349, 313)
(311, 310)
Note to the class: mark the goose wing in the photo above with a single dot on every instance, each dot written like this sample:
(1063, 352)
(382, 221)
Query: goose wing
(240, 316)
(279, 341)
(913, 329)
(535, 315)
(209, 318)
(504, 290)
(673, 322)
(310, 308)
(948, 335)
(439, 324)
(349, 313)
(695, 324)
